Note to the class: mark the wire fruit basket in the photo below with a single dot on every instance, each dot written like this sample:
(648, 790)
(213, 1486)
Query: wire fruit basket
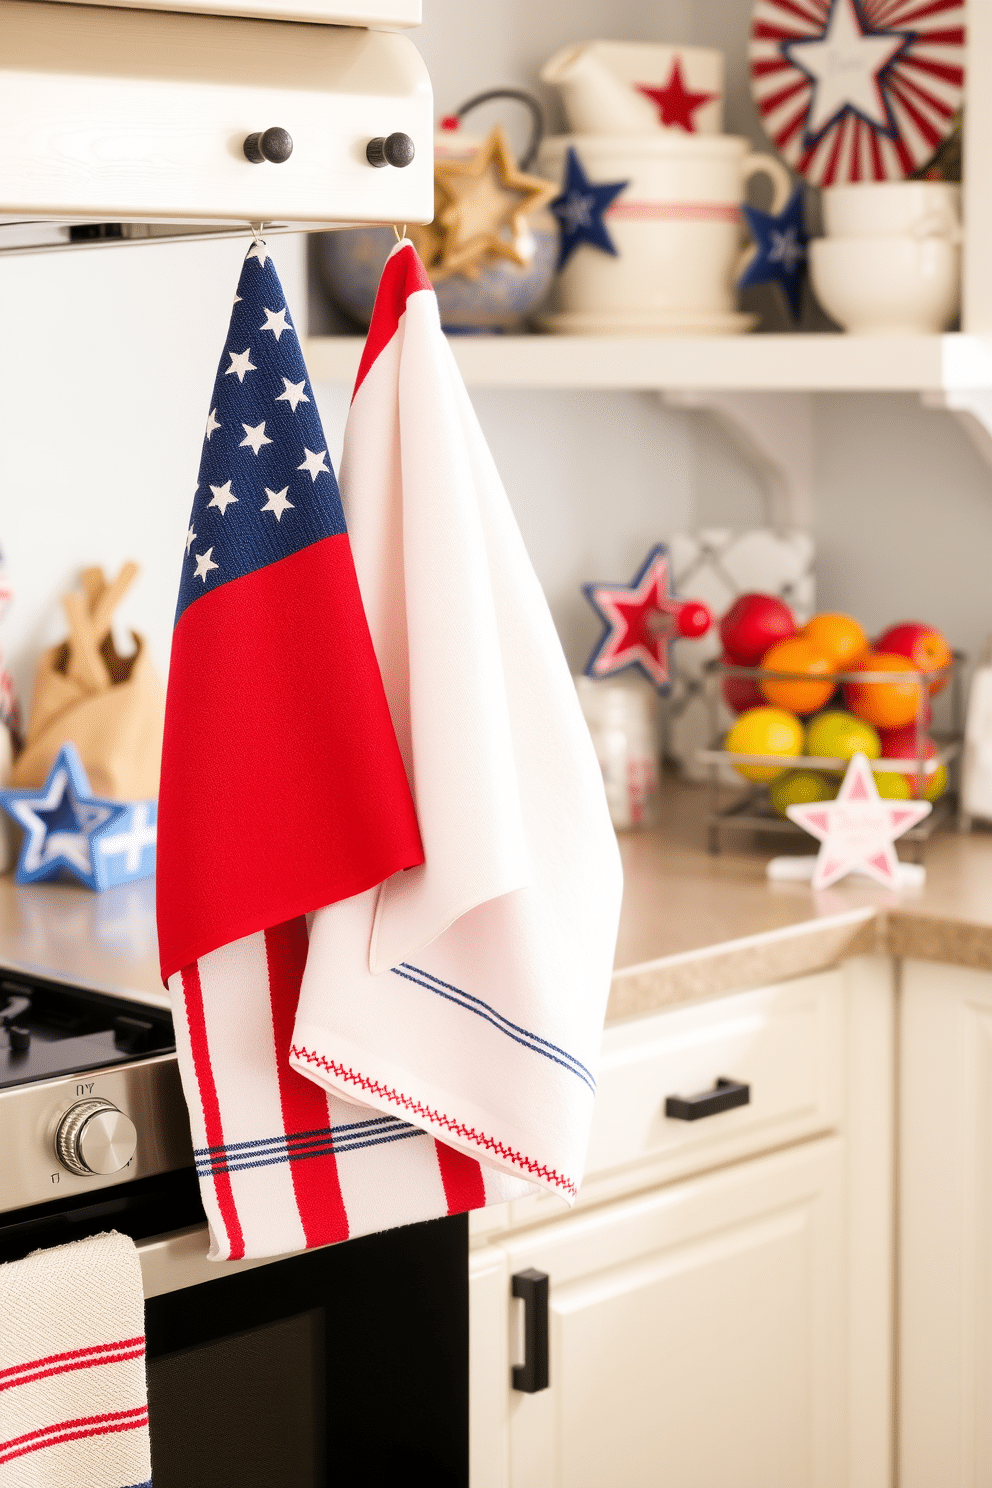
(747, 808)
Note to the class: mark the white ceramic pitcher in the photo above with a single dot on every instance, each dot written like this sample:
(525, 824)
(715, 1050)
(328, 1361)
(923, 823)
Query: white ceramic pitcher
(599, 83)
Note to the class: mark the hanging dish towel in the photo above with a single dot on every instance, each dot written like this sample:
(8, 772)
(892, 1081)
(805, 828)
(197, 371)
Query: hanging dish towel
(466, 996)
(73, 1405)
(311, 1126)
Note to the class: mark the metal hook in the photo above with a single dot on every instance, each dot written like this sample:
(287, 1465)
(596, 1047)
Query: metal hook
(256, 232)
(400, 237)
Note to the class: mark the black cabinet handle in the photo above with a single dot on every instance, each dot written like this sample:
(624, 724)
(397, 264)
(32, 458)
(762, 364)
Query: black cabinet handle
(275, 145)
(723, 1097)
(391, 149)
(532, 1374)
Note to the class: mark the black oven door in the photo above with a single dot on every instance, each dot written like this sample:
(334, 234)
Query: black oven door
(347, 1365)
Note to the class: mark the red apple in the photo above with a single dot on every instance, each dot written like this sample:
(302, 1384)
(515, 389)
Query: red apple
(923, 644)
(753, 623)
(901, 744)
(740, 693)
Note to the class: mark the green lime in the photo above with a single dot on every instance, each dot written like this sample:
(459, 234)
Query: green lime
(798, 787)
(840, 735)
(892, 785)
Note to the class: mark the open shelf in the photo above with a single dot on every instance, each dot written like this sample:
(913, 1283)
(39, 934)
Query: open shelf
(793, 363)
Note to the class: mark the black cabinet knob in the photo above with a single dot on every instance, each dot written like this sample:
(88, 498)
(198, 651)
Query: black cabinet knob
(275, 145)
(393, 149)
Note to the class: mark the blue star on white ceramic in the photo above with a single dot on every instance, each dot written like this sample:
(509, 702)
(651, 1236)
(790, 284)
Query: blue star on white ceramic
(68, 830)
(847, 64)
(580, 210)
(780, 250)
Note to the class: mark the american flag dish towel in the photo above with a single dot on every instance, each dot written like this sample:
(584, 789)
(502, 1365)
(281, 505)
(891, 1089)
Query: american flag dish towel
(388, 884)
(73, 1403)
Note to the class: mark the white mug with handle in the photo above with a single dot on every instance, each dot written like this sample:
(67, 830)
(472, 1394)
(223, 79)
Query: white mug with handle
(677, 229)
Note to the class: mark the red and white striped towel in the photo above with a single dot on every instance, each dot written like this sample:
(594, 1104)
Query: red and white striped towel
(427, 1044)
(73, 1404)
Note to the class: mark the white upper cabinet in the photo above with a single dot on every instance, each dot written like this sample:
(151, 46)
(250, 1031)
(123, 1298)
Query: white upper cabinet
(133, 115)
(331, 12)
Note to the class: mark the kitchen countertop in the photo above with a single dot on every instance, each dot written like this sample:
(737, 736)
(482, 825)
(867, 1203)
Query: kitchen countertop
(693, 925)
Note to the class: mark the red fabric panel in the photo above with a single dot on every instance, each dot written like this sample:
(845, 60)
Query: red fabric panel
(193, 998)
(403, 275)
(282, 785)
(464, 1187)
(304, 1104)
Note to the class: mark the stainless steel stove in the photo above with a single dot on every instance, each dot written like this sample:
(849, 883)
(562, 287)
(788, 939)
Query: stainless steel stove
(90, 1100)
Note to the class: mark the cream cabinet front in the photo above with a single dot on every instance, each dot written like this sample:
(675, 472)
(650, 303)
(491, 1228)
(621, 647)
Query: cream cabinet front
(697, 1334)
(141, 116)
(945, 1271)
(731, 1324)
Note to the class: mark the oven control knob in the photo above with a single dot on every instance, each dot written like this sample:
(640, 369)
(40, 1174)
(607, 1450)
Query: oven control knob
(94, 1137)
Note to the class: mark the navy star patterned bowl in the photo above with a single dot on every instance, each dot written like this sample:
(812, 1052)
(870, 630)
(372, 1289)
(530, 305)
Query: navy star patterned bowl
(499, 300)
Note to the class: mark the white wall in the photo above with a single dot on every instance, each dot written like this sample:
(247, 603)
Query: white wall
(109, 356)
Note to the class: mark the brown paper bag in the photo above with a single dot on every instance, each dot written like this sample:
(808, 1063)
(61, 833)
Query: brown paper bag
(111, 707)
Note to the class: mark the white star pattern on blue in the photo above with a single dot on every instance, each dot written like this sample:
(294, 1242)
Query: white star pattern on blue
(780, 250)
(68, 830)
(265, 488)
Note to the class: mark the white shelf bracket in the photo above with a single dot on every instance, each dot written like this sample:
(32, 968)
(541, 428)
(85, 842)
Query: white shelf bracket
(774, 433)
(972, 407)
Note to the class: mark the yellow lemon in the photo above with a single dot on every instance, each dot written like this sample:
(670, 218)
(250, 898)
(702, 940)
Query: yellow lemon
(765, 731)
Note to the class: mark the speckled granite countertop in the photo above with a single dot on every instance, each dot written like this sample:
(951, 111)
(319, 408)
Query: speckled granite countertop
(693, 926)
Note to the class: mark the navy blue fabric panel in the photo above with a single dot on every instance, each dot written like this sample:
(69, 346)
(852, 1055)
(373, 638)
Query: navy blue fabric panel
(266, 487)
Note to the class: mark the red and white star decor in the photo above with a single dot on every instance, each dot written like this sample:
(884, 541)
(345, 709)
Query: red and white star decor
(676, 104)
(857, 830)
(857, 90)
(642, 618)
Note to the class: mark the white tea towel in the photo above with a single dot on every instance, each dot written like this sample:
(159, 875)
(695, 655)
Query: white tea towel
(465, 996)
(73, 1404)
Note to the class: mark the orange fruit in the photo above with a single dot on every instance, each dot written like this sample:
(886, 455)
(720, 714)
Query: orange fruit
(886, 705)
(837, 637)
(796, 655)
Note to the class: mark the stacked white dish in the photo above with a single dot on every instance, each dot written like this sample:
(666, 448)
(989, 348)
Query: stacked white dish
(890, 264)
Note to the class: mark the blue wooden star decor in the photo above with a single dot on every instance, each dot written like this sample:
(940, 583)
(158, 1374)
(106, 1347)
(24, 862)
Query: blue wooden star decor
(580, 209)
(780, 250)
(68, 830)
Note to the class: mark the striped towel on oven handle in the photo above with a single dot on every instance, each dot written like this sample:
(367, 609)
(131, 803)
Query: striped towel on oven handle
(73, 1402)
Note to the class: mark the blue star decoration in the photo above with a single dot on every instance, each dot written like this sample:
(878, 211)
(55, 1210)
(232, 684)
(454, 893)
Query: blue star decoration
(580, 209)
(70, 832)
(265, 487)
(780, 250)
(641, 619)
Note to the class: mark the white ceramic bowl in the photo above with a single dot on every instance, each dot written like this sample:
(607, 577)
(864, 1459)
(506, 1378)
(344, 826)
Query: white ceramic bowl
(892, 286)
(868, 209)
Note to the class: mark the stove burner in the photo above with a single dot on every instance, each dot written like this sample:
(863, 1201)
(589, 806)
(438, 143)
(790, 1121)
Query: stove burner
(50, 1028)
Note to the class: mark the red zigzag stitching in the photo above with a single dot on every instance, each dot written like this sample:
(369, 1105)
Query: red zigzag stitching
(468, 1132)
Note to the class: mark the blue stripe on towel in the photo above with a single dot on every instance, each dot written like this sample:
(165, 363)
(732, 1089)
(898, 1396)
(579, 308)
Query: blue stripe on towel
(265, 1152)
(532, 1041)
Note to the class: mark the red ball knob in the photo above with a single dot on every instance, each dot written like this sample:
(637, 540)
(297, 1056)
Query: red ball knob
(694, 619)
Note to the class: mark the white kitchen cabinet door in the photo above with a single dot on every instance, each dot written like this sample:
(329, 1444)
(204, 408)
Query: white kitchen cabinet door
(698, 1337)
(945, 1263)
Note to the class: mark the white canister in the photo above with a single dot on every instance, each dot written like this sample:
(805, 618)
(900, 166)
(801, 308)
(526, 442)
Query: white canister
(676, 226)
(623, 722)
(607, 87)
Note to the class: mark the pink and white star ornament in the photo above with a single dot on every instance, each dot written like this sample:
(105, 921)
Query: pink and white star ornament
(857, 90)
(857, 831)
(641, 620)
